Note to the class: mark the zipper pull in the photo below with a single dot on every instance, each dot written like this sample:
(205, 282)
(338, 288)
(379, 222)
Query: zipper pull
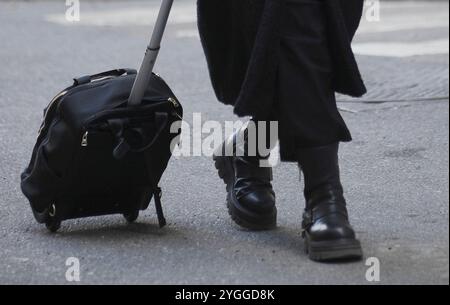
(174, 102)
(84, 139)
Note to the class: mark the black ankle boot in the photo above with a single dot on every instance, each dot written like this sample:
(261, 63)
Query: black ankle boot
(327, 231)
(251, 199)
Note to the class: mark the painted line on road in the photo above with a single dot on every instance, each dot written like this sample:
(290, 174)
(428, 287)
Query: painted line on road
(188, 34)
(402, 49)
(406, 24)
(126, 17)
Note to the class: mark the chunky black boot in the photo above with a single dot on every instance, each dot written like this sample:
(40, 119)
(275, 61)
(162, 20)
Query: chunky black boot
(327, 231)
(250, 199)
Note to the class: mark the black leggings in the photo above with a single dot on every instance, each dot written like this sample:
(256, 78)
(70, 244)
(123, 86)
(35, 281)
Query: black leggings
(305, 106)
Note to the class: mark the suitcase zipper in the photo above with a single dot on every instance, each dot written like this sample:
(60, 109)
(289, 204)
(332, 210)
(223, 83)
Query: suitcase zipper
(174, 102)
(58, 97)
(50, 105)
(85, 136)
(84, 139)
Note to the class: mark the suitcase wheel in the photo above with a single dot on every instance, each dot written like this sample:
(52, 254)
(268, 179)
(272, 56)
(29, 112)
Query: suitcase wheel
(132, 216)
(53, 225)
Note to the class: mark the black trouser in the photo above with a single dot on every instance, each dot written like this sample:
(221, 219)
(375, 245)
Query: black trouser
(306, 105)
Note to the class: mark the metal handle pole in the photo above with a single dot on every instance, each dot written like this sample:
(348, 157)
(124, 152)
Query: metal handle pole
(145, 72)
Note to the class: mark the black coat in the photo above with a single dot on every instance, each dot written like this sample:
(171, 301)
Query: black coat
(240, 39)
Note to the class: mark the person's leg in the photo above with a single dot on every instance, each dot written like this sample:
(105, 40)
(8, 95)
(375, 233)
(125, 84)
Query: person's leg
(311, 128)
(327, 231)
(306, 104)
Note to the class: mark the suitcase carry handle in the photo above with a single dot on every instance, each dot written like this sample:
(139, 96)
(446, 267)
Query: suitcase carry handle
(143, 78)
(90, 78)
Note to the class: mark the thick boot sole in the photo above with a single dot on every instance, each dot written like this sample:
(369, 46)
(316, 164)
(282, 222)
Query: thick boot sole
(338, 250)
(239, 214)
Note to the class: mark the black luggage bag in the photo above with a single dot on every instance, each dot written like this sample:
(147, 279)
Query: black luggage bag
(104, 144)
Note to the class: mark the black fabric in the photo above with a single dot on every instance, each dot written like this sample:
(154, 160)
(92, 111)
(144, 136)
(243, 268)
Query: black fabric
(305, 104)
(95, 155)
(241, 42)
(320, 167)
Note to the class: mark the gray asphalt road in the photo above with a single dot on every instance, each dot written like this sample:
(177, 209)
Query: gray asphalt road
(395, 172)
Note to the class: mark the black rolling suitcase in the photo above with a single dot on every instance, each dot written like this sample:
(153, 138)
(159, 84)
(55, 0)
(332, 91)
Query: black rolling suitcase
(104, 144)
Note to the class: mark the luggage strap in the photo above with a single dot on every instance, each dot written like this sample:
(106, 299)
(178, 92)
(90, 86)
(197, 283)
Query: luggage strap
(157, 192)
(112, 73)
(117, 126)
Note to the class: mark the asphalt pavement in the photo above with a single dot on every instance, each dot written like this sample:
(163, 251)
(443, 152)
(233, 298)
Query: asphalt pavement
(396, 171)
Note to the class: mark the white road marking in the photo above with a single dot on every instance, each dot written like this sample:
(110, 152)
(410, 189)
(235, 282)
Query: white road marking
(402, 49)
(127, 17)
(401, 25)
(403, 16)
(188, 34)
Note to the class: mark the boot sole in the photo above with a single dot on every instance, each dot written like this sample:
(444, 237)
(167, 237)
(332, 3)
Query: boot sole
(339, 250)
(238, 213)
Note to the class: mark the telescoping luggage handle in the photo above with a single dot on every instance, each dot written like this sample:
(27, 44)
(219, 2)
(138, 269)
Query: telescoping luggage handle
(145, 72)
